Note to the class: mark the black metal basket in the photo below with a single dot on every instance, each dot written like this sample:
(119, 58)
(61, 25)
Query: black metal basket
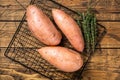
(23, 45)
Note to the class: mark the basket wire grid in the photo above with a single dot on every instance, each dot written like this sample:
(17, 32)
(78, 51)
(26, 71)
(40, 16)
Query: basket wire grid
(22, 48)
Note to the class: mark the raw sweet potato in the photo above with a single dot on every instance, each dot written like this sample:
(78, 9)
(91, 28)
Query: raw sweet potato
(62, 58)
(70, 28)
(41, 26)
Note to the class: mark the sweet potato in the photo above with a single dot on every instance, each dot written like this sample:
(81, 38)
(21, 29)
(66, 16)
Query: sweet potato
(41, 26)
(70, 28)
(62, 58)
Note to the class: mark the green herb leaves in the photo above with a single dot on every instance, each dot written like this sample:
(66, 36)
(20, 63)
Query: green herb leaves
(89, 29)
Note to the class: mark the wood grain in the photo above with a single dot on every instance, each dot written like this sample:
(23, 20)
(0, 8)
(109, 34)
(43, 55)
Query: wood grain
(104, 63)
(12, 10)
(111, 39)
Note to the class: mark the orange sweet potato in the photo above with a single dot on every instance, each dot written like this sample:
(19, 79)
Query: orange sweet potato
(62, 58)
(41, 26)
(70, 28)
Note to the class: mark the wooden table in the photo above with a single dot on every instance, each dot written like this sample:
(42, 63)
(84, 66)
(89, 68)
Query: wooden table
(104, 64)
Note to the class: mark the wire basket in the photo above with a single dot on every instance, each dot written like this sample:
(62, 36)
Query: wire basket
(22, 48)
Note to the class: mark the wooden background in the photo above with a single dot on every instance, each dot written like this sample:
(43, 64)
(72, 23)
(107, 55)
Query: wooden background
(104, 65)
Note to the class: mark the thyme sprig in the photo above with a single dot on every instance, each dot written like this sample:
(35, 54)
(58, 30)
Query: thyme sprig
(89, 29)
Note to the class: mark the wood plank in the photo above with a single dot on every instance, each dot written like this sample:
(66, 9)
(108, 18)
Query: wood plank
(78, 5)
(111, 39)
(14, 11)
(105, 9)
(15, 2)
(99, 66)
(11, 14)
(102, 60)
(101, 75)
(104, 65)
(11, 74)
(99, 5)
(7, 30)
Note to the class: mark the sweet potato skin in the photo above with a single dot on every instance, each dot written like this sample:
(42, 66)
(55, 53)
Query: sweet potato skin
(62, 58)
(41, 26)
(70, 28)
